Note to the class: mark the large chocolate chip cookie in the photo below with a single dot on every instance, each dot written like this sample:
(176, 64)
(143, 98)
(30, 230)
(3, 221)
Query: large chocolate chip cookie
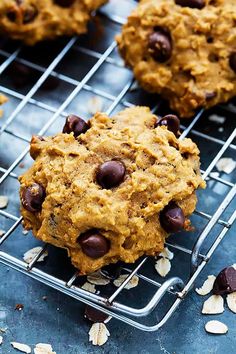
(111, 189)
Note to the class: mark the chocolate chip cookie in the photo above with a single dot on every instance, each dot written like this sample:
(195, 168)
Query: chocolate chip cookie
(111, 189)
(35, 20)
(184, 50)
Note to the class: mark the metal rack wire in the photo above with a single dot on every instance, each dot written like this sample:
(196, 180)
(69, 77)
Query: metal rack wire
(174, 286)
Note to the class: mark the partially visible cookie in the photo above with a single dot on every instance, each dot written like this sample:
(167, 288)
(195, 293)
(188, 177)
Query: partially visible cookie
(3, 99)
(111, 189)
(35, 20)
(184, 50)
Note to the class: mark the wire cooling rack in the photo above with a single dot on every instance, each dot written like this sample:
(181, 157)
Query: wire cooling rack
(58, 79)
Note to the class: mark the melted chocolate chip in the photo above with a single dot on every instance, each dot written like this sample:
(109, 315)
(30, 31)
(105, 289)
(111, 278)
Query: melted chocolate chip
(29, 14)
(159, 44)
(171, 121)
(110, 174)
(172, 218)
(94, 315)
(232, 61)
(111, 271)
(64, 3)
(32, 197)
(194, 4)
(94, 244)
(225, 282)
(76, 125)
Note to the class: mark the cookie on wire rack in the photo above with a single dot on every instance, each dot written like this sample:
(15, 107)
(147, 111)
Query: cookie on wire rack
(111, 189)
(184, 50)
(34, 20)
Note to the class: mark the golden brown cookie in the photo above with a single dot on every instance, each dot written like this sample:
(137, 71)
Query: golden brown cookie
(3, 99)
(35, 20)
(112, 189)
(184, 50)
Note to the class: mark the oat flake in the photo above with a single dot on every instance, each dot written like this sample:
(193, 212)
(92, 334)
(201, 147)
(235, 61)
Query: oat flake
(231, 301)
(213, 305)
(98, 334)
(1, 340)
(216, 327)
(24, 348)
(43, 348)
(163, 266)
(166, 253)
(31, 254)
(94, 104)
(97, 278)
(226, 164)
(3, 201)
(207, 286)
(89, 287)
(217, 119)
(133, 282)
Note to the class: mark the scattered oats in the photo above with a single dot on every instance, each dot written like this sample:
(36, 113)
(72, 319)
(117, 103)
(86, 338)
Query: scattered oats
(231, 301)
(213, 305)
(226, 164)
(133, 282)
(2, 232)
(166, 253)
(220, 129)
(97, 278)
(3, 201)
(217, 119)
(98, 334)
(1, 340)
(25, 232)
(95, 104)
(216, 327)
(21, 347)
(89, 287)
(207, 286)
(135, 86)
(163, 266)
(43, 348)
(19, 307)
(31, 254)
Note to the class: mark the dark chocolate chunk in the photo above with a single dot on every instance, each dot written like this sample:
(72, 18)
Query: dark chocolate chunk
(232, 61)
(159, 44)
(76, 125)
(94, 315)
(110, 174)
(32, 197)
(64, 3)
(194, 4)
(225, 282)
(171, 121)
(172, 218)
(94, 244)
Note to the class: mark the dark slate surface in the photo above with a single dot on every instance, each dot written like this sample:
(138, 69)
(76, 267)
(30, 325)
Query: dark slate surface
(59, 320)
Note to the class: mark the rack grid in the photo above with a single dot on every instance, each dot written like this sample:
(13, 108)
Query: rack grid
(214, 226)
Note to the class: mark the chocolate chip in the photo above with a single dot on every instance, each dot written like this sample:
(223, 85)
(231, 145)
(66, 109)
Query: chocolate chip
(94, 244)
(29, 14)
(64, 3)
(111, 271)
(94, 315)
(225, 282)
(232, 61)
(194, 4)
(32, 197)
(159, 45)
(110, 174)
(76, 125)
(171, 121)
(172, 218)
